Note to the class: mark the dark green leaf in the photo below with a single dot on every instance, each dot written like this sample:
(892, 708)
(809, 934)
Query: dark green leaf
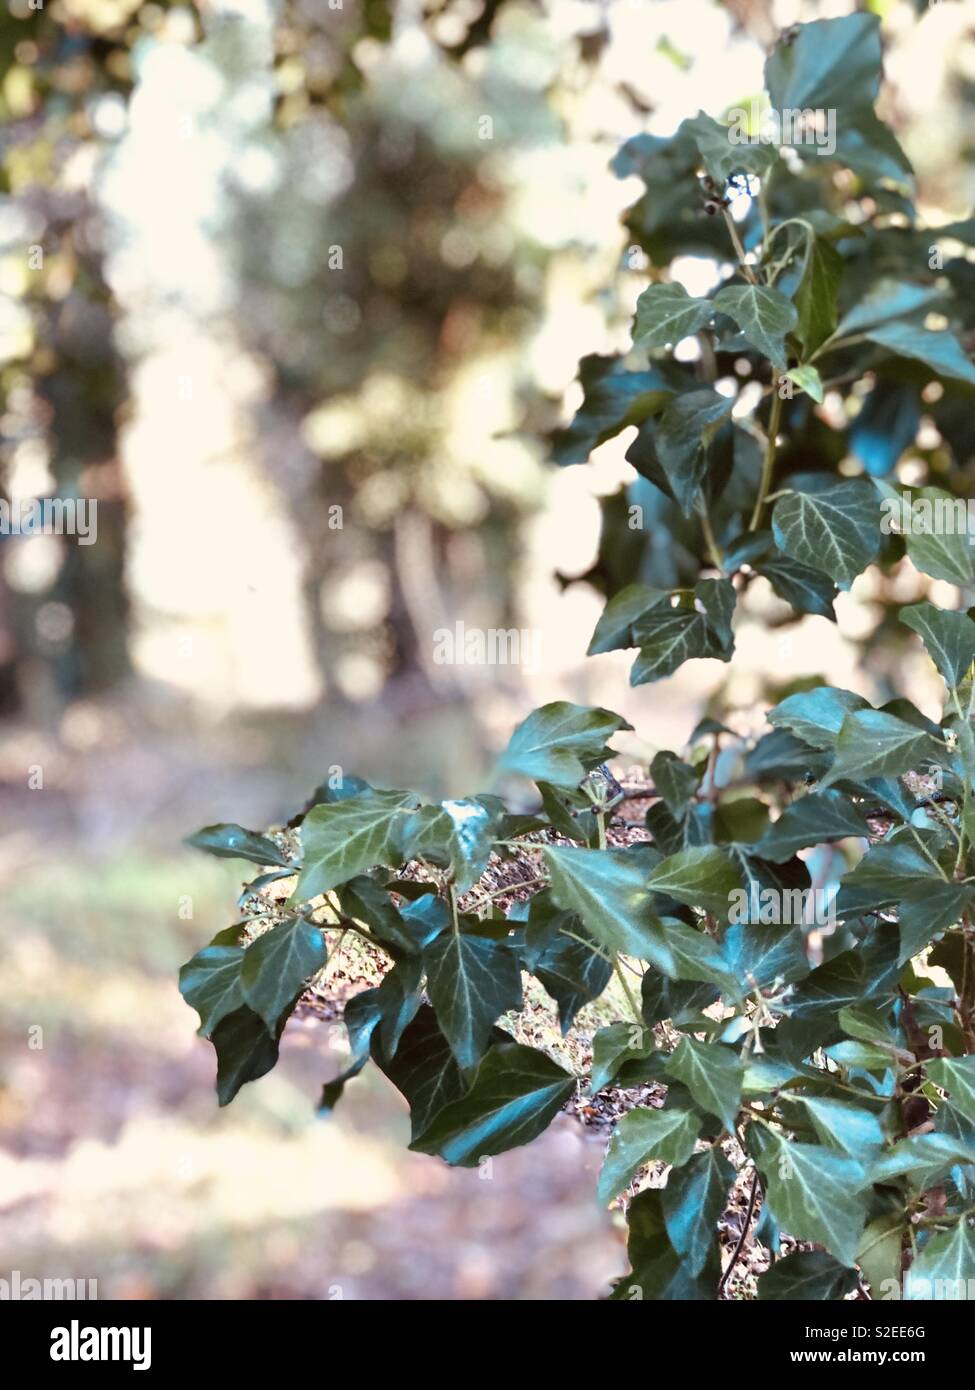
(829, 526)
(471, 980)
(806, 1275)
(713, 1075)
(210, 984)
(234, 842)
(560, 742)
(693, 1202)
(640, 1136)
(347, 837)
(814, 1193)
(703, 877)
(816, 819)
(516, 1094)
(667, 313)
(245, 1051)
(278, 965)
(872, 743)
(764, 316)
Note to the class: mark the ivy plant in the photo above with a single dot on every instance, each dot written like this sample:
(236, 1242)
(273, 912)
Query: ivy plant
(821, 1062)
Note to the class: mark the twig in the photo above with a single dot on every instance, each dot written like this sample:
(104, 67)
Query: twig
(742, 1238)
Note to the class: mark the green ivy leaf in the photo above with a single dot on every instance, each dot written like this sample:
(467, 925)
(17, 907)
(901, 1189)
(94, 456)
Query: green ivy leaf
(814, 1194)
(614, 398)
(560, 742)
(572, 973)
(764, 316)
(927, 908)
(234, 842)
(713, 1075)
(347, 837)
(874, 744)
(758, 955)
(816, 716)
(693, 1202)
(935, 549)
(667, 313)
(608, 890)
(614, 629)
(423, 1069)
(245, 1051)
(615, 1047)
(704, 877)
(641, 1136)
(659, 1273)
(829, 526)
(946, 1264)
(806, 1275)
(816, 819)
(278, 965)
(676, 781)
(829, 63)
(956, 1075)
(471, 980)
(210, 984)
(723, 156)
(948, 637)
(455, 835)
(686, 428)
(515, 1095)
(817, 294)
(940, 350)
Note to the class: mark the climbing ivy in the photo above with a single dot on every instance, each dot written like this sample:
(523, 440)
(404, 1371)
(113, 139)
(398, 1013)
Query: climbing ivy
(817, 1048)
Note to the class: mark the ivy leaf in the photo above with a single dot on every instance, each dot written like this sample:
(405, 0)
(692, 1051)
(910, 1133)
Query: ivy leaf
(362, 1015)
(764, 316)
(956, 1075)
(814, 1194)
(210, 984)
(684, 953)
(723, 156)
(344, 838)
(806, 1275)
(641, 1136)
(615, 626)
(850, 1129)
(885, 301)
(704, 877)
(816, 819)
(874, 744)
(364, 900)
(455, 835)
(615, 1047)
(923, 1158)
(573, 974)
(515, 1095)
(939, 350)
(713, 1074)
(667, 313)
(946, 1264)
(614, 398)
(948, 637)
(608, 890)
(471, 980)
(693, 1202)
(676, 781)
(806, 589)
(659, 1273)
(885, 874)
(816, 716)
(817, 294)
(245, 1051)
(943, 552)
(663, 998)
(758, 955)
(423, 1069)
(560, 742)
(667, 637)
(829, 63)
(925, 910)
(278, 965)
(234, 842)
(829, 526)
(682, 437)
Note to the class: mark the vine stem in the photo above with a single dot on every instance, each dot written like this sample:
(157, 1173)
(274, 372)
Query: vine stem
(746, 269)
(753, 1198)
(768, 463)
